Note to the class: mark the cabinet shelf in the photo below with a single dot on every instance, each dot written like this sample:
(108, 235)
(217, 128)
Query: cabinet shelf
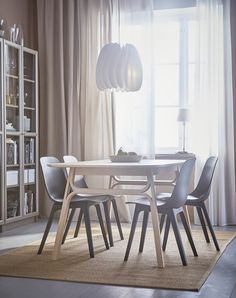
(12, 132)
(13, 166)
(13, 186)
(12, 106)
(12, 76)
(29, 108)
(30, 183)
(29, 80)
(29, 164)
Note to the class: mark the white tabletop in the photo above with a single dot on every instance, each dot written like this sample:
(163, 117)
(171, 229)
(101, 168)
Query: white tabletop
(106, 167)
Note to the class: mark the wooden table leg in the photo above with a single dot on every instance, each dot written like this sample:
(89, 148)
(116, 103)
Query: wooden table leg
(155, 224)
(63, 217)
(186, 213)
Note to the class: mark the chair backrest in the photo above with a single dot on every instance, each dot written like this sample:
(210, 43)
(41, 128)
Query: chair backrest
(203, 187)
(79, 179)
(181, 189)
(54, 178)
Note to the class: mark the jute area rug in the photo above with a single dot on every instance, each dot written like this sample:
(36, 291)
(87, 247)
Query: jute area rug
(108, 266)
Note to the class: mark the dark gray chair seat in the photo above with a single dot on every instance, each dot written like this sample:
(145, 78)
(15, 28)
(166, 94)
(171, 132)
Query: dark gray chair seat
(169, 207)
(198, 197)
(55, 183)
(200, 194)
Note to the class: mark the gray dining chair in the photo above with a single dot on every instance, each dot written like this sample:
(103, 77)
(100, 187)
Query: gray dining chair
(170, 207)
(80, 182)
(200, 194)
(55, 183)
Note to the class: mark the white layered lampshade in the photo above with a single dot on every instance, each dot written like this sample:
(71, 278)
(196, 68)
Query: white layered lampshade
(183, 115)
(119, 68)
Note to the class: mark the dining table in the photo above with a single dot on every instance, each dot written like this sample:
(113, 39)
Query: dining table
(121, 174)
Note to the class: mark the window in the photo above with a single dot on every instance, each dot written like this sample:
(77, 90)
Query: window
(172, 81)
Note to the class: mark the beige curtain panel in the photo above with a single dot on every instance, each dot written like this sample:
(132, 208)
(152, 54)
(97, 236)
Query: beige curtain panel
(75, 118)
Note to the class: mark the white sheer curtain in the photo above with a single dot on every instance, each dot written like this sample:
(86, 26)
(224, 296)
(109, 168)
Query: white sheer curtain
(137, 109)
(212, 117)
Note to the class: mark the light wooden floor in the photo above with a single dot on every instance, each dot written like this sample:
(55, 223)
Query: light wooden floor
(220, 284)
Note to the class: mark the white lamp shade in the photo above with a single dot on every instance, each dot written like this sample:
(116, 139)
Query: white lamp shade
(133, 72)
(183, 115)
(119, 68)
(101, 65)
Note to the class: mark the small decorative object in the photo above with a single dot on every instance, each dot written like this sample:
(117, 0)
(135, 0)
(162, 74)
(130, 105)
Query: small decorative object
(2, 27)
(9, 126)
(123, 156)
(16, 34)
(8, 99)
(12, 206)
(183, 117)
(20, 37)
(26, 123)
(12, 33)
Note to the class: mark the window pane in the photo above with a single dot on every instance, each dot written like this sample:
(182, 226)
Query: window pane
(166, 42)
(191, 41)
(167, 128)
(167, 85)
(191, 83)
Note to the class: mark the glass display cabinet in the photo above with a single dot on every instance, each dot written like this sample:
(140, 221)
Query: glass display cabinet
(19, 132)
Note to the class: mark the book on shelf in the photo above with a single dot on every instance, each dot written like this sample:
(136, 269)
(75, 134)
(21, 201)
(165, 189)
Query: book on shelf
(11, 148)
(29, 151)
(29, 202)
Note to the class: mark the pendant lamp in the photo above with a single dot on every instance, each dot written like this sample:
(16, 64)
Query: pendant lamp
(119, 68)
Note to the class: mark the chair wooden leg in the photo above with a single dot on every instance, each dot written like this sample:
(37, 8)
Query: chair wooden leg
(113, 201)
(172, 217)
(144, 229)
(68, 225)
(88, 231)
(99, 214)
(48, 226)
(81, 213)
(162, 221)
(188, 232)
(108, 221)
(202, 221)
(210, 226)
(167, 229)
(132, 230)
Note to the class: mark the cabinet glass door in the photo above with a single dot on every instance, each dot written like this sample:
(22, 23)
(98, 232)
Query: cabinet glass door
(13, 129)
(29, 122)
(12, 92)
(13, 176)
(29, 175)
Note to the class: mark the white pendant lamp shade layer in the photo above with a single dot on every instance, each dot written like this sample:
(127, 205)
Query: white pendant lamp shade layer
(119, 68)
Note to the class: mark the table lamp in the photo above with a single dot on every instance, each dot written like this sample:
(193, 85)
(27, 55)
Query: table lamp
(183, 116)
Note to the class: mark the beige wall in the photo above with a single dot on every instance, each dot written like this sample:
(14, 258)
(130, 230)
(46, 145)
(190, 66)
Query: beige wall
(22, 12)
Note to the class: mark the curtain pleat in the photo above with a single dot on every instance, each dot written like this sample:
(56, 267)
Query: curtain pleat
(75, 118)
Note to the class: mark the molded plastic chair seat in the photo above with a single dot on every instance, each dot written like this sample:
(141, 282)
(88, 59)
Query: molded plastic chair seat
(55, 183)
(80, 182)
(171, 206)
(200, 194)
(191, 200)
